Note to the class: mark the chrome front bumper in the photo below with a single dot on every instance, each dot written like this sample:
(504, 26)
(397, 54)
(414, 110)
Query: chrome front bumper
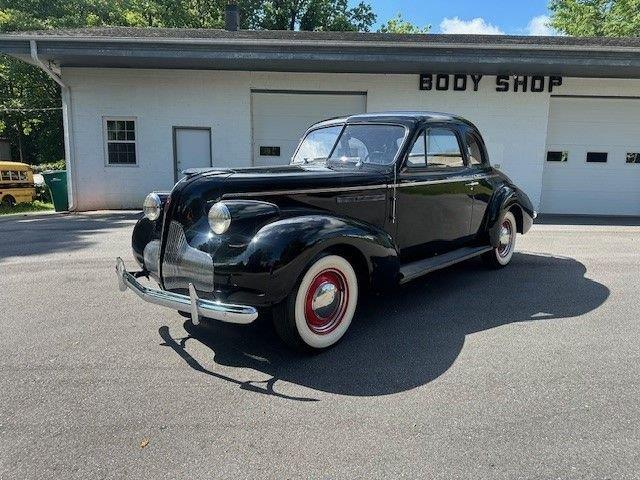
(197, 307)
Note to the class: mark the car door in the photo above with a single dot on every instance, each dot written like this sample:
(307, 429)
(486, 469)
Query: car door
(434, 195)
(478, 163)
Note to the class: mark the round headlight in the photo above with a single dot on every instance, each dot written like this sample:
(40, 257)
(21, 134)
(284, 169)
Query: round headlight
(152, 206)
(219, 218)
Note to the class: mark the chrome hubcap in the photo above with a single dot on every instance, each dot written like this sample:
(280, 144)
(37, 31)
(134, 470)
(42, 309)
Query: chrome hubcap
(325, 299)
(506, 236)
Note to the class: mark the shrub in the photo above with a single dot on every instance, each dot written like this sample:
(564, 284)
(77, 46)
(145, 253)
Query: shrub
(43, 194)
(59, 165)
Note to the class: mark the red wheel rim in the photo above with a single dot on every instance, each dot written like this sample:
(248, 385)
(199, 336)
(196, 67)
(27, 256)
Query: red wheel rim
(326, 301)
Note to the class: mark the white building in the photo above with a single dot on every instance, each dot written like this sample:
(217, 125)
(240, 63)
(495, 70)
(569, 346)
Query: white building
(560, 115)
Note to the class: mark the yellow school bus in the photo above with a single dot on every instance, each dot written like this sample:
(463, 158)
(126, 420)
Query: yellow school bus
(16, 183)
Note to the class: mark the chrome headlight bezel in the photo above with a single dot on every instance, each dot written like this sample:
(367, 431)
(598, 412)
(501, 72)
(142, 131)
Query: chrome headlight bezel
(152, 206)
(219, 218)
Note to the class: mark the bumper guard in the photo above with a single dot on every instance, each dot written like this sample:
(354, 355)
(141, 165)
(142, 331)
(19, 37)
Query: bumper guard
(197, 307)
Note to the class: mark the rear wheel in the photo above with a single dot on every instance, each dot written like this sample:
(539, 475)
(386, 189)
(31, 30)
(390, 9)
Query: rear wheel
(8, 201)
(501, 255)
(319, 310)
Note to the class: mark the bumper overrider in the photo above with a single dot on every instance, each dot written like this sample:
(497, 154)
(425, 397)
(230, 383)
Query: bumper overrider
(197, 307)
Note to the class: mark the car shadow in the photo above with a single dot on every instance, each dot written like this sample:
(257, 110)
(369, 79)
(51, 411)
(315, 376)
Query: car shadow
(410, 336)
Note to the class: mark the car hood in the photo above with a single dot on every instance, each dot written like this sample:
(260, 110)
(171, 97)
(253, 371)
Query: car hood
(192, 196)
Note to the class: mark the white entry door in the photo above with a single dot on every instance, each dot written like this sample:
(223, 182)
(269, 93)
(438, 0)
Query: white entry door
(279, 119)
(192, 148)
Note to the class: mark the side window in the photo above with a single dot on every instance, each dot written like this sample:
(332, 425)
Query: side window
(417, 156)
(474, 152)
(597, 157)
(633, 157)
(6, 175)
(557, 156)
(443, 149)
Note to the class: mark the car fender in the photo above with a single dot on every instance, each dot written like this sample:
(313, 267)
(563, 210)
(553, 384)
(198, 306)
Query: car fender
(503, 199)
(275, 257)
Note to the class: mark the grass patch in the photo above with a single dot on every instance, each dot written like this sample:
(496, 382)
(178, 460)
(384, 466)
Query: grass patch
(35, 206)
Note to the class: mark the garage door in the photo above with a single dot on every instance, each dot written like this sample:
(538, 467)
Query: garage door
(592, 164)
(280, 118)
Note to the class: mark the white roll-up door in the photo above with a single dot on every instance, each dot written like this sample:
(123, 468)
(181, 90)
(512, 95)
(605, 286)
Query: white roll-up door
(592, 163)
(280, 118)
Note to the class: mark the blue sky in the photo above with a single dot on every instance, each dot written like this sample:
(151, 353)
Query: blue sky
(518, 17)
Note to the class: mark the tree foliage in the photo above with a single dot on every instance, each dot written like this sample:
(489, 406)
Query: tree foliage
(30, 115)
(611, 18)
(30, 100)
(398, 24)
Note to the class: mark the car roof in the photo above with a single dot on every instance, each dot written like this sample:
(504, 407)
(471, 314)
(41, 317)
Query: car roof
(406, 118)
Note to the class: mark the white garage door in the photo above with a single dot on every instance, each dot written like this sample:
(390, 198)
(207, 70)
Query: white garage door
(279, 119)
(593, 157)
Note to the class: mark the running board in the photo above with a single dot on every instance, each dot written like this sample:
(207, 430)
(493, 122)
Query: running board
(413, 270)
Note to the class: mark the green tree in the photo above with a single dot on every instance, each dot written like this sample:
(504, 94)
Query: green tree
(333, 15)
(398, 24)
(30, 115)
(611, 18)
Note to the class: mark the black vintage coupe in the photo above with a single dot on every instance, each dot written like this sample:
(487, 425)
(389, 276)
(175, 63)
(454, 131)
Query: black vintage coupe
(368, 202)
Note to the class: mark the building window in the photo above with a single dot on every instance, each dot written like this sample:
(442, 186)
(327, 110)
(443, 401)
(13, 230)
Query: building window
(120, 135)
(633, 157)
(597, 157)
(557, 156)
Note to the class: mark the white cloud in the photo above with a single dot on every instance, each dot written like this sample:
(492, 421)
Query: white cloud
(540, 26)
(477, 26)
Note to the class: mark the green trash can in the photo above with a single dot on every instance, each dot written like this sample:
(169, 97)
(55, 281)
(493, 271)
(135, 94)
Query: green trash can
(56, 180)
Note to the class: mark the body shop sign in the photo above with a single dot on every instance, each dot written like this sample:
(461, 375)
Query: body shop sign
(461, 82)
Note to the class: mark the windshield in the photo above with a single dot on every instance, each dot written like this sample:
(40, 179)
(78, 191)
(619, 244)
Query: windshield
(317, 145)
(353, 144)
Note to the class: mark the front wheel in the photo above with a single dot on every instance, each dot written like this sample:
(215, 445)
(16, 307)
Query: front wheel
(501, 255)
(319, 310)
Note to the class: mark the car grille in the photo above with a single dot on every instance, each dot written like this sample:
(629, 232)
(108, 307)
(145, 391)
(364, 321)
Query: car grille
(182, 264)
(151, 254)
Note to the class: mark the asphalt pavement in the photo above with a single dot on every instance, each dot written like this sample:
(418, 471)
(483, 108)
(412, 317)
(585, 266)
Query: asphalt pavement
(532, 371)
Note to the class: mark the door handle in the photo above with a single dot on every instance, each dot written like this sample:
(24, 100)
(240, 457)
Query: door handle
(472, 184)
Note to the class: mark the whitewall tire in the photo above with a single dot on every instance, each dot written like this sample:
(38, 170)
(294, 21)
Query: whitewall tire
(501, 255)
(320, 308)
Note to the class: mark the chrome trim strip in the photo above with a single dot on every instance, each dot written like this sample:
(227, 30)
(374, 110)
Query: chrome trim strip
(361, 198)
(198, 307)
(305, 191)
(357, 189)
(446, 180)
